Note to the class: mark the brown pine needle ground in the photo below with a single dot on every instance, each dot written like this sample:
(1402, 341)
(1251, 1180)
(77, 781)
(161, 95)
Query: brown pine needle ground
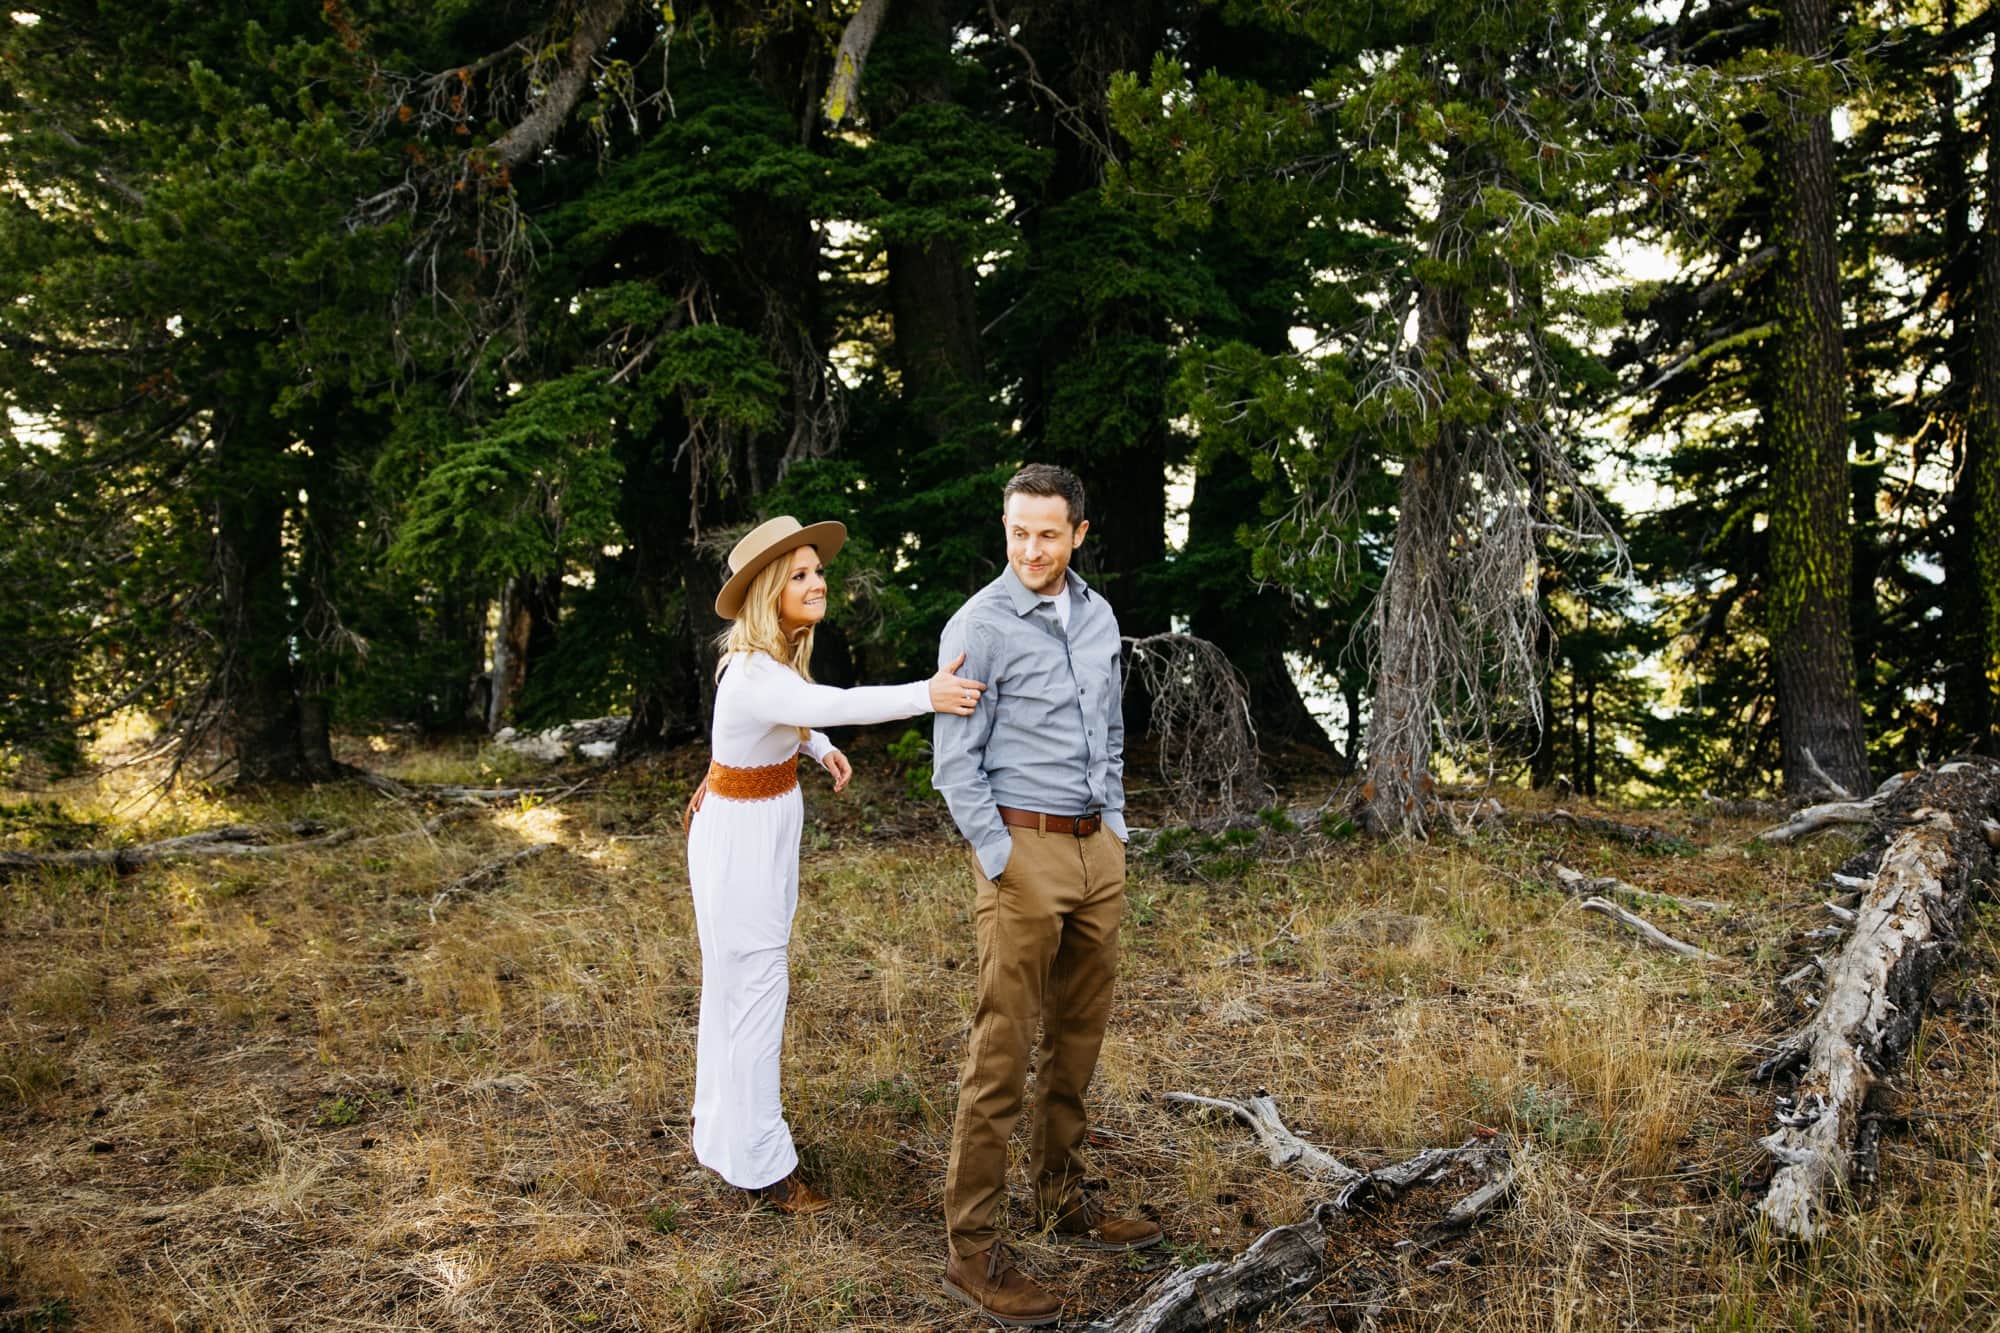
(277, 1094)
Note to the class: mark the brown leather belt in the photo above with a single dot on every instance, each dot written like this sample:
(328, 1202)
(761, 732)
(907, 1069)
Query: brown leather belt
(743, 784)
(1080, 825)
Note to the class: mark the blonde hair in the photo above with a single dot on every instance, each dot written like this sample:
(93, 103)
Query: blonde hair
(758, 629)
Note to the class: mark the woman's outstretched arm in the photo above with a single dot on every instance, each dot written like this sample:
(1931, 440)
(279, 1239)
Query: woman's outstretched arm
(776, 696)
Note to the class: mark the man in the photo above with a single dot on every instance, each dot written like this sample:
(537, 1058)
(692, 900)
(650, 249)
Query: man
(1034, 778)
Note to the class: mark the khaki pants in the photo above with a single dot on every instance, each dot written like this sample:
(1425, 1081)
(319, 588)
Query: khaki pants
(1048, 953)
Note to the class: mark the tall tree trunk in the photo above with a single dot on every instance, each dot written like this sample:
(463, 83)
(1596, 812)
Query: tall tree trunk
(1409, 610)
(526, 634)
(321, 639)
(1540, 723)
(258, 690)
(1587, 785)
(1112, 428)
(655, 510)
(1972, 551)
(931, 297)
(1811, 638)
(937, 337)
(1413, 607)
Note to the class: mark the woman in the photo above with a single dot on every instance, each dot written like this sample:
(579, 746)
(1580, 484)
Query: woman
(743, 840)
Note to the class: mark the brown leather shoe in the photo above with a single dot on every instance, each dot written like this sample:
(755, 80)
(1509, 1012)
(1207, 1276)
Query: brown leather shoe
(1085, 1221)
(989, 1283)
(790, 1196)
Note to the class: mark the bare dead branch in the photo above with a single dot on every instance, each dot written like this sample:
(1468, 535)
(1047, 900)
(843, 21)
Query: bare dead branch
(1285, 1149)
(1646, 930)
(1288, 1261)
(856, 39)
(1201, 721)
(595, 23)
(1826, 779)
(1579, 885)
(489, 873)
(1816, 817)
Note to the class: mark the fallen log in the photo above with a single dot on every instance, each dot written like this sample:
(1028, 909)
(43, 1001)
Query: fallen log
(230, 840)
(1288, 1261)
(1907, 925)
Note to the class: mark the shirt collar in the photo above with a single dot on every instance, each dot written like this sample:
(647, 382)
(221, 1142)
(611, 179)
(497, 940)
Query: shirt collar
(1024, 601)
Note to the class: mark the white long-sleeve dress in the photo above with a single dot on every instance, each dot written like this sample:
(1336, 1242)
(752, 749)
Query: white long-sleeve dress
(743, 867)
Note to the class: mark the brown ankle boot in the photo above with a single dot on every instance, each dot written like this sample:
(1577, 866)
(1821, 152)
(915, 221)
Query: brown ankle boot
(790, 1196)
(1085, 1220)
(989, 1283)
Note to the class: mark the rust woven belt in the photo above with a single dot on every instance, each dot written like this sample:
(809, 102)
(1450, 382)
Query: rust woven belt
(743, 784)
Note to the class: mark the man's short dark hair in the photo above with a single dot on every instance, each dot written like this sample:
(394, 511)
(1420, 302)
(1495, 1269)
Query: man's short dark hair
(1048, 479)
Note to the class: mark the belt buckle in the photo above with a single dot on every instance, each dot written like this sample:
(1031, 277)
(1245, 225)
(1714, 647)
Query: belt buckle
(1077, 828)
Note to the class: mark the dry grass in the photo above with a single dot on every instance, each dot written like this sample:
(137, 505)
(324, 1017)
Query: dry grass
(278, 1094)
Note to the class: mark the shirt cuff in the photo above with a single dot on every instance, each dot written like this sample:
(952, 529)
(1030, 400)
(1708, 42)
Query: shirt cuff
(994, 855)
(1115, 821)
(818, 746)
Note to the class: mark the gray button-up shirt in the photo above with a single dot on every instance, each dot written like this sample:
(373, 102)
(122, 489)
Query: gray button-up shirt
(1049, 733)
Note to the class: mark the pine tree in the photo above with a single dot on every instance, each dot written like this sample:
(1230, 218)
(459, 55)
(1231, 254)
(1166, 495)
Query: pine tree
(1459, 169)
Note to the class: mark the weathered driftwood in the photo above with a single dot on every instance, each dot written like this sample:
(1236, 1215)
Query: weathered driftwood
(1282, 1263)
(1475, 1207)
(1646, 930)
(1833, 813)
(1288, 1261)
(230, 840)
(1286, 1150)
(1906, 926)
(1579, 885)
(488, 873)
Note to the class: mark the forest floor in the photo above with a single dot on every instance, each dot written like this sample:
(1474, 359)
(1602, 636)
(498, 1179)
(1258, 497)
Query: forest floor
(302, 1092)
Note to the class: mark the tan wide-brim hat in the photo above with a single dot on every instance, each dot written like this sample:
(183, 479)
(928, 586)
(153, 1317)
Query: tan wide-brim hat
(765, 543)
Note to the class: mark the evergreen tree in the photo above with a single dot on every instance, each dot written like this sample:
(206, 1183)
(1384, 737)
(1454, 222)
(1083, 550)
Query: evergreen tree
(181, 297)
(1459, 170)
(1819, 711)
